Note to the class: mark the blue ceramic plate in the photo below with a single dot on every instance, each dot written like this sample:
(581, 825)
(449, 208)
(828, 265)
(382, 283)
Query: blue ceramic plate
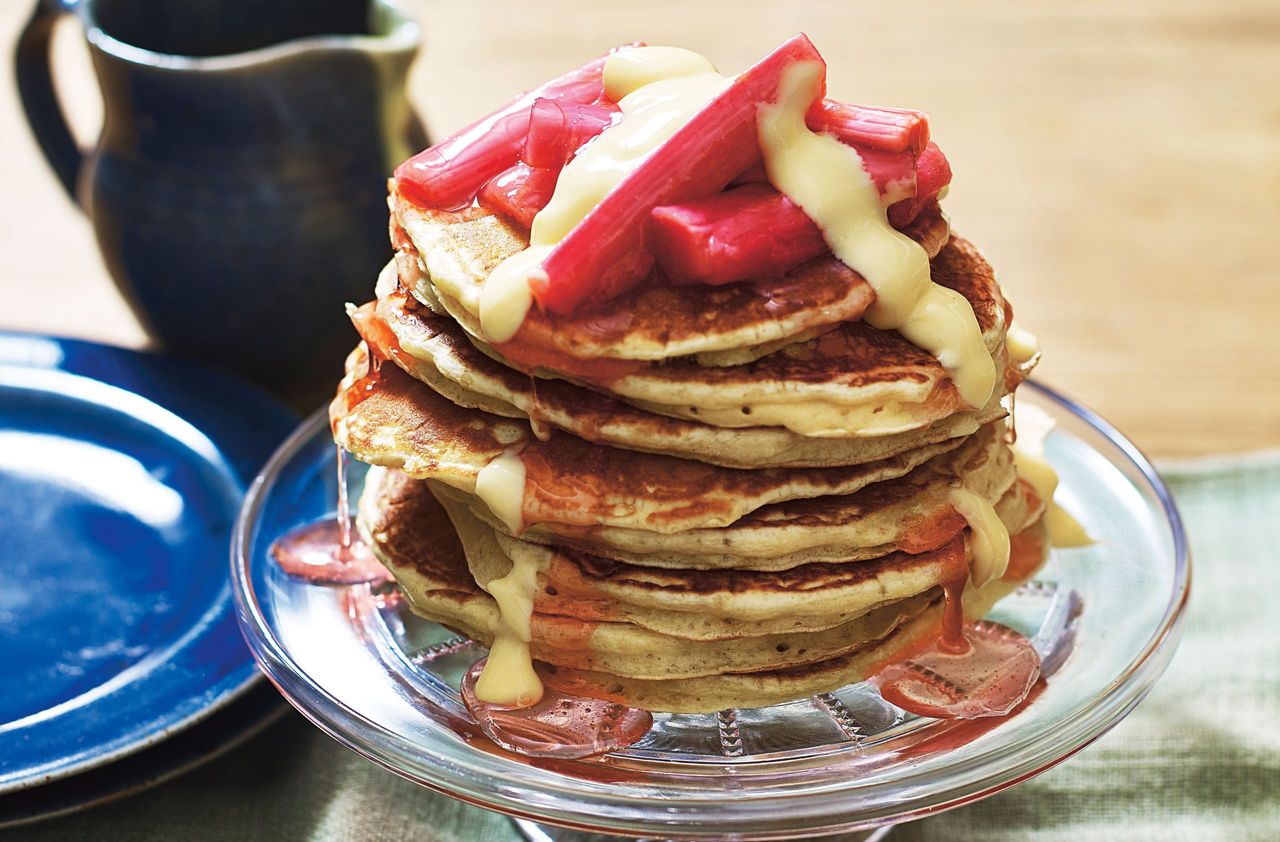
(120, 477)
(211, 737)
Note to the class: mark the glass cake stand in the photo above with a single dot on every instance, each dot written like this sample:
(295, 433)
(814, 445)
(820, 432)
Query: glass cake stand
(383, 682)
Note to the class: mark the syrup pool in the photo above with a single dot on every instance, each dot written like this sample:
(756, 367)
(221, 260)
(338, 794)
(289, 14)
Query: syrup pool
(989, 674)
(558, 725)
(327, 551)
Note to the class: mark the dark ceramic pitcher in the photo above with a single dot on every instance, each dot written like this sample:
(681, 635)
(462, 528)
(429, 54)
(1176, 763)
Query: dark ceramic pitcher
(238, 189)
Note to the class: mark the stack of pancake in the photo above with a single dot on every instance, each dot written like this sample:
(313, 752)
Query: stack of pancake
(733, 496)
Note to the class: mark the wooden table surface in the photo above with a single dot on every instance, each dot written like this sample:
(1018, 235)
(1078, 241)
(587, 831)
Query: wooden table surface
(1118, 162)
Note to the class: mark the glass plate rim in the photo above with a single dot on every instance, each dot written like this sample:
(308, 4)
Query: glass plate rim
(477, 777)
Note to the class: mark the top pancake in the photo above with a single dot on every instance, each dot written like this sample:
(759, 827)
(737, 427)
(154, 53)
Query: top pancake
(455, 252)
(885, 383)
(831, 376)
(851, 380)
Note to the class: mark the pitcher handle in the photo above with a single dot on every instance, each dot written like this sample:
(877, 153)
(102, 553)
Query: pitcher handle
(34, 72)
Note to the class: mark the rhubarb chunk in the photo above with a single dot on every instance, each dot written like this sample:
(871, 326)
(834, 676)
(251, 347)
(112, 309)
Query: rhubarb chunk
(933, 172)
(448, 176)
(754, 231)
(750, 232)
(886, 129)
(558, 129)
(603, 255)
(519, 193)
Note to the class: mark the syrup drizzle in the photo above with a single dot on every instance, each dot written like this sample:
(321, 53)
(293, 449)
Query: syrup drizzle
(1011, 426)
(557, 725)
(953, 639)
(974, 670)
(357, 393)
(326, 551)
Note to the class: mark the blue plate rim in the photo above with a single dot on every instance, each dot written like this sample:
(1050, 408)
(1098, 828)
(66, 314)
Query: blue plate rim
(244, 451)
(252, 712)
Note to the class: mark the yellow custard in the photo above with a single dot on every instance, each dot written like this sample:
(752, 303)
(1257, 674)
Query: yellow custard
(988, 536)
(1022, 345)
(508, 677)
(1034, 426)
(827, 180)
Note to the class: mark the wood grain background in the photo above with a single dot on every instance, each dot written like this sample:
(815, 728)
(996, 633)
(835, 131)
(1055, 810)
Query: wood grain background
(1118, 162)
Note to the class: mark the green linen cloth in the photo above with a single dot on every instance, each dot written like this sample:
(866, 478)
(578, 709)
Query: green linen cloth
(1198, 760)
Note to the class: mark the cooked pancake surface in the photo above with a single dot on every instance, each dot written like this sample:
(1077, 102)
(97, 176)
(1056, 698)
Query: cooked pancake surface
(437, 353)
(767, 687)
(574, 483)
(840, 380)
(865, 524)
(880, 382)
(456, 252)
(847, 587)
(620, 658)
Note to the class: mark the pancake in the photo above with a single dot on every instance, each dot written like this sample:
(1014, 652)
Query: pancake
(635, 652)
(852, 380)
(694, 604)
(414, 538)
(760, 689)
(407, 529)
(572, 483)
(847, 588)
(436, 352)
(411, 533)
(455, 252)
(912, 513)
